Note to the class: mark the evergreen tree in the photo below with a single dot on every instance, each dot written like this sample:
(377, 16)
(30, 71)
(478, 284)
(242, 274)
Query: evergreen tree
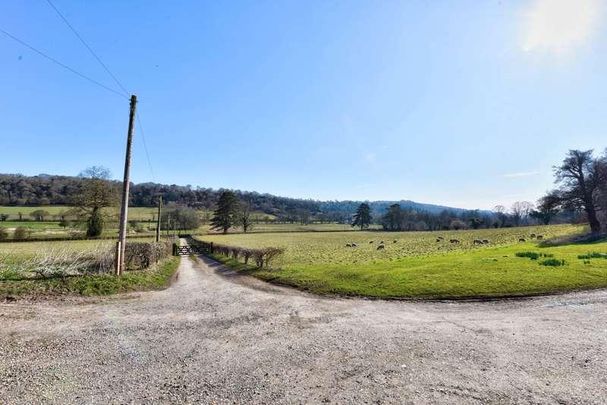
(393, 220)
(362, 218)
(224, 217)
(94, 224)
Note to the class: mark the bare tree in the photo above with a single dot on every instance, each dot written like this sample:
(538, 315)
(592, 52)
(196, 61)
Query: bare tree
(502, 215)
(244, 216)
(520, 210)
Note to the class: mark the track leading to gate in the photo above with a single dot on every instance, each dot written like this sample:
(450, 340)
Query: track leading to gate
(218, 336)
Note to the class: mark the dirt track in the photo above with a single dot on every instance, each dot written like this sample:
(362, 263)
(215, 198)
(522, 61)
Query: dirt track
(216, 336)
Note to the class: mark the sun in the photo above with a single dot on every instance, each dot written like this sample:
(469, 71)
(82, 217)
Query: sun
(560, 25)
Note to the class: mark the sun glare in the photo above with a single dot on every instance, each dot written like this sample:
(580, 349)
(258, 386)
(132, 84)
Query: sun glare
(559, 25)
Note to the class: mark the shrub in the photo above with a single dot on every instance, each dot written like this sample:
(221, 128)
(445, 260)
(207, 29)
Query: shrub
(530, 255)
(246, 255)
(141, 255)
(235, 252)
(271, 253)
(552, 262)
(593, 255)
(261, 257)
(21, 232)
(94, 225)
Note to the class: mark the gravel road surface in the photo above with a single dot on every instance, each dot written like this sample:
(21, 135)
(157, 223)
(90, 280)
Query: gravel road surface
(218, 337)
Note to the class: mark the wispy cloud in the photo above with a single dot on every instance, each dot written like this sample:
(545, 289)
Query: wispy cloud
(370, 157)
(559, 25)
(519, 174)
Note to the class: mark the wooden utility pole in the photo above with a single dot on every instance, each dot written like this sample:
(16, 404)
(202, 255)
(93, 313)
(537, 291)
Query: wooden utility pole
(158, 219)
(121, 245)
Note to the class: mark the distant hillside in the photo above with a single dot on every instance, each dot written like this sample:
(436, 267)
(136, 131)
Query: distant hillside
(380, 207)
(45, 189)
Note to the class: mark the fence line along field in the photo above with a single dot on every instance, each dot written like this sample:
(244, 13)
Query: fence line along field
(477, 263)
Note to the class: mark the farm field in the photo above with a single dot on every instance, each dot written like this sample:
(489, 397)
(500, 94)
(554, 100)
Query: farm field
(285, 228)
(415, 265)
(52, 229)
(135, 213)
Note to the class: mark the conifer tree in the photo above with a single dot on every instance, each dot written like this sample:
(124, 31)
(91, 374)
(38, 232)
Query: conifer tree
(224, 217)
(362, 218)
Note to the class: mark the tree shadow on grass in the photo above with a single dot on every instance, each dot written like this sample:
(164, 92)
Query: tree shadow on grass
(579, 239)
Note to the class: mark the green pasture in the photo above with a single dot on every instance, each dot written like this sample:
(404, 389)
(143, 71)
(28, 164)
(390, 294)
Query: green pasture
(55, 211)
(415, 265)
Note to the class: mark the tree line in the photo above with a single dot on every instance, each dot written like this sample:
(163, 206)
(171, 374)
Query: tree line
(19, 190)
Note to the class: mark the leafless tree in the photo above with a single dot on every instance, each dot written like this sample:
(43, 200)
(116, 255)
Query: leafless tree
(501, 213)
(244, 216)
(520, 211)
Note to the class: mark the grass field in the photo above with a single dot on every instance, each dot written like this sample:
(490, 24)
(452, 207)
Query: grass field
(135, 213)
(414, 265)
(284, 228)
(50, 227)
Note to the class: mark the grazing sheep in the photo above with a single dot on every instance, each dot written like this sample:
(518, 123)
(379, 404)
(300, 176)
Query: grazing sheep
(540, 237)
(370, 241)
(354, 245)
(477, 242)
(522, 240)
(454, 240)
(532, 236)
(380, 247)
(348, 245)
(485, 241)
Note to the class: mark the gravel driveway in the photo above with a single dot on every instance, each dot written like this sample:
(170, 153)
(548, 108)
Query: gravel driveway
(215, 336)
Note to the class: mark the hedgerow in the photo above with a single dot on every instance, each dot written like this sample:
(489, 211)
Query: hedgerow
(262, 257)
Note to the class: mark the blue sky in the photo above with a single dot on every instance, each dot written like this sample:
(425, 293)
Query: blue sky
(462, 103)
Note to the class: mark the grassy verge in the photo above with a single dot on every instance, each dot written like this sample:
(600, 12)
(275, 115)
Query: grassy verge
(153, 279)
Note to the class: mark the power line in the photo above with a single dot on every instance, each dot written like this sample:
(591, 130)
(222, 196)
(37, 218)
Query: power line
(63, 65)
(109, 72)
(145, 146)
(88, 47)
